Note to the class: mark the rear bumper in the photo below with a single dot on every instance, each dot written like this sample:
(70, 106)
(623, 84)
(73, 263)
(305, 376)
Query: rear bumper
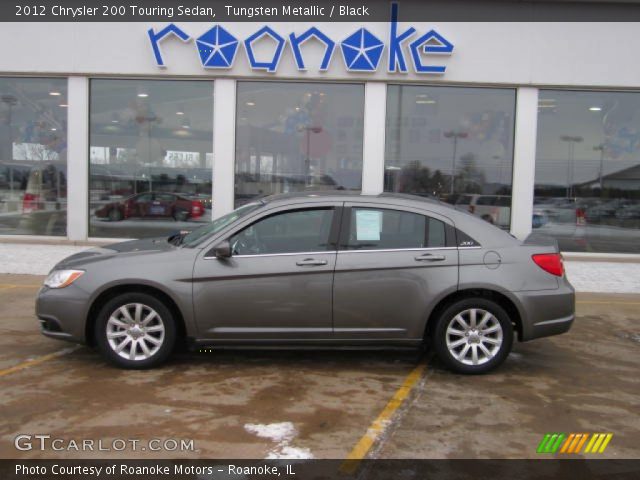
(547, 312)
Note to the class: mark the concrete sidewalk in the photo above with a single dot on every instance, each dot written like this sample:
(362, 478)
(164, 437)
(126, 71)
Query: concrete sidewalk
(584, 275)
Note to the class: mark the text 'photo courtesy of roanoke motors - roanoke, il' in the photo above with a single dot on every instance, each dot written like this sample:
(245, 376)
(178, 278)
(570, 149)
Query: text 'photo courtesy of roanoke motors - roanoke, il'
(319, 240)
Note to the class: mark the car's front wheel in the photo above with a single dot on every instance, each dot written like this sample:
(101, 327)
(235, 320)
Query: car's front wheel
(115, 215)
(135, 330)
(473, 335)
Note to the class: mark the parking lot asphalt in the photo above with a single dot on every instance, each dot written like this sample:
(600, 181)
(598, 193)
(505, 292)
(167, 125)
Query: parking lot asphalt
(322, 404)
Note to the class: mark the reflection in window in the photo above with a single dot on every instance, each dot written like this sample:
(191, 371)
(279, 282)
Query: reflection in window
(150, 156)
(33, 156)
(297, 136)
(452, 143)
(587, 184)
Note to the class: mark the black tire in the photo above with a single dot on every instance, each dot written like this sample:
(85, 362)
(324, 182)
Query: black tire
(181, 216)
(158, 352)
(115, 215)
(474, 336)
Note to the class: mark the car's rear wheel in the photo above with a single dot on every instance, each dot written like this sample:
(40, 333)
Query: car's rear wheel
(473, 335)
(135, 330)
(181, 216)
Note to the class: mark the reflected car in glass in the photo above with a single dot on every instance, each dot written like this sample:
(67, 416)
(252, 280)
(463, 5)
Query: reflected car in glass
(152, 205)
(325, 269)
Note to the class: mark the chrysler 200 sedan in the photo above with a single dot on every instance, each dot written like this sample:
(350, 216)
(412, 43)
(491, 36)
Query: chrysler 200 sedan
(323, 270)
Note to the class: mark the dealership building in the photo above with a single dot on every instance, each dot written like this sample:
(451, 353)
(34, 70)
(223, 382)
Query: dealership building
(126, 130)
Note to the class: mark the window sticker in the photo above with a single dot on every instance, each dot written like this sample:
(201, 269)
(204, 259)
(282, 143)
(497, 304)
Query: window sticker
(368, 225)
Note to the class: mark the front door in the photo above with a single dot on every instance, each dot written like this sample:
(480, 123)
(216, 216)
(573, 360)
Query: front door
(278, 282)
(392, 264)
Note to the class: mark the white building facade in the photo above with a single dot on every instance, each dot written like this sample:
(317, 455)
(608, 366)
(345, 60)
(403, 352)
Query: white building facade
(115, 130)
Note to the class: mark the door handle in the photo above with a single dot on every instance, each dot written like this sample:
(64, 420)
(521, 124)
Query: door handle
(311, 262)
(429, 257)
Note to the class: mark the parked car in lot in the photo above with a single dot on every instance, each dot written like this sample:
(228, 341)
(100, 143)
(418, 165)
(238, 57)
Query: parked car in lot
(495, 209)
(152, 205)
(315, 269)
(629, 212)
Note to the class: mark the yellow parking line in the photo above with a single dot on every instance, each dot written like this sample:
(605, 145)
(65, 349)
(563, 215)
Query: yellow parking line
(16, 285)
(378, 426)
(37, 361)
(596, 302)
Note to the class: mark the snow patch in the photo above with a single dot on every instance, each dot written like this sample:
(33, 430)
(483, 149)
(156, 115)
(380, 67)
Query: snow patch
(278, 432)
(33, 259)
(604, 277)
(289, 453)
(282, 433)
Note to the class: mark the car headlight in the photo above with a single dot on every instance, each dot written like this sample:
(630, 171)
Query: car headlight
(62, 278)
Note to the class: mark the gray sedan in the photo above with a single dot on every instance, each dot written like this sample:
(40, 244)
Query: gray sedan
(322, 270)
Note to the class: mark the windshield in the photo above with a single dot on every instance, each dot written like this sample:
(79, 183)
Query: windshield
(195, 237)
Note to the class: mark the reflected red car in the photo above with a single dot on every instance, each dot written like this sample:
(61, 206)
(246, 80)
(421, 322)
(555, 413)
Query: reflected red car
(152, 205)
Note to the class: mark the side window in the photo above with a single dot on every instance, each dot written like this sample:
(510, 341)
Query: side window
(288, 232)
(435, 234)
(165, 197)
(376, 229)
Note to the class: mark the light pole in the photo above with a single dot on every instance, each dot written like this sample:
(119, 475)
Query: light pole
(455, 135)
(600, 148)
(571, 141)
(500, 165)
(307, 161)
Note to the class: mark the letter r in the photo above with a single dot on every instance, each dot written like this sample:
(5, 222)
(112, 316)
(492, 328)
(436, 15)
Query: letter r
(155, 39)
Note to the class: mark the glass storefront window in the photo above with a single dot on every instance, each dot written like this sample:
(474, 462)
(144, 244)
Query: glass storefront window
(151, 144)
(452, 143)
(297, 136)
(33, 156)
(587, 184)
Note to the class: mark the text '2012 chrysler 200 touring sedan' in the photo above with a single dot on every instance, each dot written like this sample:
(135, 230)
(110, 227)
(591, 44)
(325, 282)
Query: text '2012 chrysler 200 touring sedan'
(325, 270)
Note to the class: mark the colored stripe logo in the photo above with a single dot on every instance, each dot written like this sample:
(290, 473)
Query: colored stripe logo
(574, 443)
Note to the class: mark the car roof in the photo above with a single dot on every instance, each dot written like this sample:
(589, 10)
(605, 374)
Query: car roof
(348, 195)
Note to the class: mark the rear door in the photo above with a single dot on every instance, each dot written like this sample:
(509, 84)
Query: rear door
(392, 263)
(162, 205)
(139, 206)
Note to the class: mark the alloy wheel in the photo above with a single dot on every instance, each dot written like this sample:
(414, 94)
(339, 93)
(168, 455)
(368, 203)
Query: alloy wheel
(474, 336)
(135, 331)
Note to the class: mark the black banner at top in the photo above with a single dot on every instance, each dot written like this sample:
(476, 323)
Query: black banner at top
(316, 11)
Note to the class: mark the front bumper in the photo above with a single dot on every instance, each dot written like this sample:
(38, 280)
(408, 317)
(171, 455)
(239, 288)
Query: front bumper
(62, 313)
(547, 312)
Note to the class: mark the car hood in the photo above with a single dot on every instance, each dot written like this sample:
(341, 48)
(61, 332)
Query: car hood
(130, 248)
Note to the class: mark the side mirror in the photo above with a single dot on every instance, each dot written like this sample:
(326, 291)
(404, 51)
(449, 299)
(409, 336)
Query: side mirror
(222, 250)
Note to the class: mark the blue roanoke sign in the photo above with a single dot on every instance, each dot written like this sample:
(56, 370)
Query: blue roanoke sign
(361, 50)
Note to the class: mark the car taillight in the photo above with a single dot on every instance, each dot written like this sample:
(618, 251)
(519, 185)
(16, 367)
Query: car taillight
(550, 262)
(580, 217)
(30, 202)
(196, 208)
